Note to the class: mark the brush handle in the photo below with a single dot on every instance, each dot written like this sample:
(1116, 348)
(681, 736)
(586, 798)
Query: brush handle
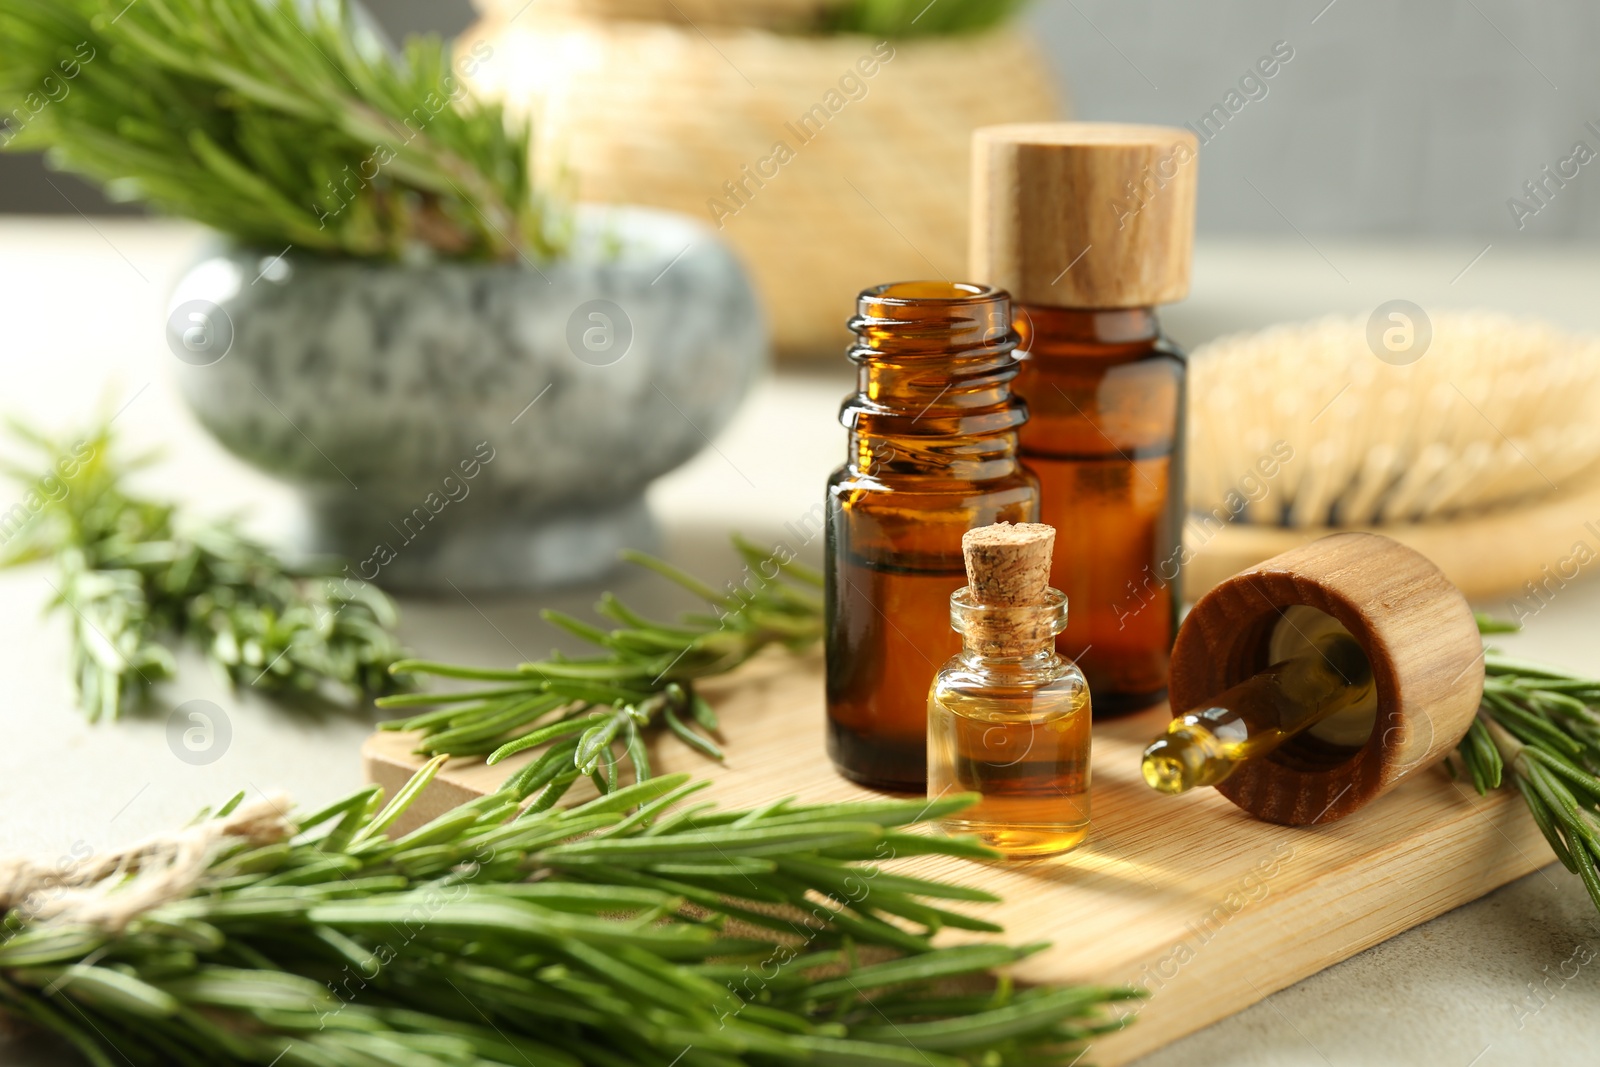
(1417, 632)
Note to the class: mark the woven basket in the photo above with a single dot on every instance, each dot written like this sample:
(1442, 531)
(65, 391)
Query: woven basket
(662, 102)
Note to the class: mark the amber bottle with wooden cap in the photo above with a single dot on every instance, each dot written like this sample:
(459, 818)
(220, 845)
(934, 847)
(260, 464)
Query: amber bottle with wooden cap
(1089, 226)
(933, 453)
(1307, 685)
(1008, 718)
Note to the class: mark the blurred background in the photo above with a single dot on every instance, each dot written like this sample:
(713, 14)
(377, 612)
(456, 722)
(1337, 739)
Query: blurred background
(1355, 158)
(1421, 118)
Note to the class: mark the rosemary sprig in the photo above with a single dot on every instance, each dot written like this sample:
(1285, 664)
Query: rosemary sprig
(277, 121)
(1540, 726)
(590, 714)
(133, 573)
(630, 930)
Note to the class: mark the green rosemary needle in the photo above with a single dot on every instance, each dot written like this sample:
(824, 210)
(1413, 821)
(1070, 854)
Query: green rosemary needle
(1541, 726)
(590, 714)
(133, 573)
(629, 930)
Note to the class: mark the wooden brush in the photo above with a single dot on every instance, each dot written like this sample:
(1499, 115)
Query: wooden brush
(1483, 452)
(1496, 411)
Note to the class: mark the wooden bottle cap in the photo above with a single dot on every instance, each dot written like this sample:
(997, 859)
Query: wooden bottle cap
(1419, 636)
(1083, 214)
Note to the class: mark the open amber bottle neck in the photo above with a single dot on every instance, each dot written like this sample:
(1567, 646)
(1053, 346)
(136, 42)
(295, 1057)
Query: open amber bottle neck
(1046, 331)
(934, 366)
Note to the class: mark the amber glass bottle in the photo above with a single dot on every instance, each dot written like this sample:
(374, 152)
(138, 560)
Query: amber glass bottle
(1105, 392)
(1089, 226)
(932, 454)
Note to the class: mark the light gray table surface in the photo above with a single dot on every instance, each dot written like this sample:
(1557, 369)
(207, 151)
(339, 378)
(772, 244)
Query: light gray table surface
(83, 309)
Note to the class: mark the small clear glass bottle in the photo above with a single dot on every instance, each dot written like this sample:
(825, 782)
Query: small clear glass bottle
(1009, 719)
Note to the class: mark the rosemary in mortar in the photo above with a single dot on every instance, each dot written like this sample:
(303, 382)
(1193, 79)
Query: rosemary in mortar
(897, 19)
(133, 574)
(631, 930)
(1541, 727)
(582, 711)
(277, 122)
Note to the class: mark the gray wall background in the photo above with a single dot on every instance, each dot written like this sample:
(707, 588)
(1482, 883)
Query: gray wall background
(1391, 119)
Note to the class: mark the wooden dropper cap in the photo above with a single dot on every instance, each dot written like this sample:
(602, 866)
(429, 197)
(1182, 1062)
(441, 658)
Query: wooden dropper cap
(1416, 630)
(1008, 566)
(1083, 214)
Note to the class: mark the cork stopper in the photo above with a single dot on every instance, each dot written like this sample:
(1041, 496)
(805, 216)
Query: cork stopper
(1008, 564)
(1084, 214)
(1008, 587)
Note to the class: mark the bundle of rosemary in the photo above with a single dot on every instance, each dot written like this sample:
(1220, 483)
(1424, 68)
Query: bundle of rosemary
(631, 930)
(277, 121)
(133, 573)
(583, 710)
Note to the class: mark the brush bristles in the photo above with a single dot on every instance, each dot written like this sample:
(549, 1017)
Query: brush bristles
(1497, 411)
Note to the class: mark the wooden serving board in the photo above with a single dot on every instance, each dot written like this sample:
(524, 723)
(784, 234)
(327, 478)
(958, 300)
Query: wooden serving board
(1206, 908)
